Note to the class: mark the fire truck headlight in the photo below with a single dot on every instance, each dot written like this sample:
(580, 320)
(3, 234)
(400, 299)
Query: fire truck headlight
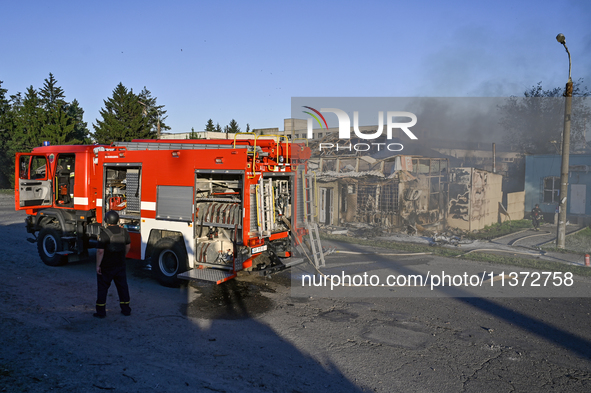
(281, 159)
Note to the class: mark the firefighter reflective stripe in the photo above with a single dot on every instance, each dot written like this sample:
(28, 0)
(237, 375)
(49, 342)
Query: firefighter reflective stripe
(101, 305)
(123, 302)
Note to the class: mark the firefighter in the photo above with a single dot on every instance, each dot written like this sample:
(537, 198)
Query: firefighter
(536, 217)
(113, 246)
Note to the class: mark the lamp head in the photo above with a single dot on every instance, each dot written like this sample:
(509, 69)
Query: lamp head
(560, 38)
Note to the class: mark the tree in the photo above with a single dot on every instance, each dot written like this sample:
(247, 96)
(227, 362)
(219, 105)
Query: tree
(534, 123)
(44, 115)
(232, 127)
(51, 96)
(218, 128)
(193, 134)
(209, 126)
(247, 127)
(76, 112)
(63, 122)
(155, 113)
(6, 132)
(124, 118)
(30, 120)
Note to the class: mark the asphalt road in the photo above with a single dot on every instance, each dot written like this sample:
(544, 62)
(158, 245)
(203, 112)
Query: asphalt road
(263, 335)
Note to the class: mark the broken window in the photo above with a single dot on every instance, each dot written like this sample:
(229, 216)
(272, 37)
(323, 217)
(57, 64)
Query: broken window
(551, 189)
(389, 198)
(366, 197)
(424, 166)
(435, 167)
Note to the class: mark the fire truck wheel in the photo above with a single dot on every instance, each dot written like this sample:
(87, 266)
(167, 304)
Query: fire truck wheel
(168, 260)
(48, 245)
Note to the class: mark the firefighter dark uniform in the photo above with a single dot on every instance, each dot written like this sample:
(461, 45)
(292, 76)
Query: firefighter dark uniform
(536, 216)
(110, 265)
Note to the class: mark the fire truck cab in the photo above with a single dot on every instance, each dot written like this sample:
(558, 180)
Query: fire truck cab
(194, 209)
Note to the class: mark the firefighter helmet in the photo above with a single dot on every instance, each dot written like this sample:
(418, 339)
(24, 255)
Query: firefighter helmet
(112, 218)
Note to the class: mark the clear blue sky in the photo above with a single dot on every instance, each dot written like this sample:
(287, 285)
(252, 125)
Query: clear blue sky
(245, 60)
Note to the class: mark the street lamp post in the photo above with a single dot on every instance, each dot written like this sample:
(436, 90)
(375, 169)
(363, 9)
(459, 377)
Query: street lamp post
(561, 232)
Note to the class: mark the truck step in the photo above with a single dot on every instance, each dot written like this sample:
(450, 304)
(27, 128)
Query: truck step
(211, 275)
(64, 252)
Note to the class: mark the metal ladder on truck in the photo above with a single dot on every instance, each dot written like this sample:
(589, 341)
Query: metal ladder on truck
(309, 222)
(266, 207)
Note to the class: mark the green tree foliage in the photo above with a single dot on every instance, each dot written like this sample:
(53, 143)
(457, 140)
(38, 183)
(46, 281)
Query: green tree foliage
(51, 96)
(534, 122)
(154, 112)
(6, 130)
(30, 121)
(44, 115)
(62, 123)
(232, 127)
(193, 134)
(209, 126)
(123, 118)
(218, 128)
(80, 126)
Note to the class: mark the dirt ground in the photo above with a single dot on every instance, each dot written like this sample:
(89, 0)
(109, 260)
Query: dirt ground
(250, 335)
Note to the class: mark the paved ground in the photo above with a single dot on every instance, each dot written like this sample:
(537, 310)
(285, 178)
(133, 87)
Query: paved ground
(253, 335)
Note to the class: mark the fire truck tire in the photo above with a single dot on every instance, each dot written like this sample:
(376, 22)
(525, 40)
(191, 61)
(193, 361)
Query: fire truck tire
(48, 245)
(169, 259)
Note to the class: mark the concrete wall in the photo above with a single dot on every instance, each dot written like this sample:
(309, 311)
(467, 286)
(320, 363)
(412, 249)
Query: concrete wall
(474, 197)
(515, 206)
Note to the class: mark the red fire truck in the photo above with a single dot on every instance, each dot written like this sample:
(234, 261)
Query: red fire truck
(199, 209)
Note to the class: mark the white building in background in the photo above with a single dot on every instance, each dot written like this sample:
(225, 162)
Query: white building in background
(220, 135)
(199, 135)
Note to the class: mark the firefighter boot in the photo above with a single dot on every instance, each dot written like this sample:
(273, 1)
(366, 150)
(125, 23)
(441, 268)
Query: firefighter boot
(125, 309)
(101, 311)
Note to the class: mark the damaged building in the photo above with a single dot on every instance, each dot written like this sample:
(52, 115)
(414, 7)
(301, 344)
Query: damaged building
(420, 190)
(390, 193)
(402, 192)
(474, 198)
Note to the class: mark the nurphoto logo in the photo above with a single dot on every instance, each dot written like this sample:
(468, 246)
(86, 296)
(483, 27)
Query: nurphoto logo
(345, 128)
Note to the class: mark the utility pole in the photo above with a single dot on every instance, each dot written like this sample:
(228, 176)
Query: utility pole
(561, 232)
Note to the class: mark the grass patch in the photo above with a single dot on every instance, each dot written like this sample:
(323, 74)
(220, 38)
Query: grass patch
(497, 230)
(7, 191)
(474, 256)
(576, 243)
(579, 242)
